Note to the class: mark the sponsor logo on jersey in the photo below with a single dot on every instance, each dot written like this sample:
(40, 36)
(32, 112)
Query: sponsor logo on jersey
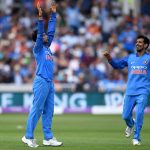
(48, 56)
(139, 67)
(139, 70)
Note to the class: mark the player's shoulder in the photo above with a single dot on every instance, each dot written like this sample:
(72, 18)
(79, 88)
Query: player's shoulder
(37, 48)
(148, 54)
(132, 55)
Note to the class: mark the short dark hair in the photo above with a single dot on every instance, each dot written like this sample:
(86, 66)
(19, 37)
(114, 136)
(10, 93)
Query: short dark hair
(34, 35)
(146, 40)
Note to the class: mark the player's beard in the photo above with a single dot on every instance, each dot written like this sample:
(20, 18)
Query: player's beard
(139, 50)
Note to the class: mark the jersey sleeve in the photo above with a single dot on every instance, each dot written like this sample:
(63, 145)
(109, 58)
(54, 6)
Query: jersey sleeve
(51, 28)
(39, 39)
(119, 63)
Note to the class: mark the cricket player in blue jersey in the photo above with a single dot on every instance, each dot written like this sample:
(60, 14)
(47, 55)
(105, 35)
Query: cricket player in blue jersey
(43, 86)
(138, 86)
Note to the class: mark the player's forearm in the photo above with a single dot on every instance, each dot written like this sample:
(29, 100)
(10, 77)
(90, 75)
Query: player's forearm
(52, 16)
(40, 30)
(118, 63)
(41, 27)
(114, 64)
(39, 40)
(51, 28)
(52, 23)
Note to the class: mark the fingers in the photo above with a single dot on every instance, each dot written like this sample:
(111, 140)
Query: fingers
(38, 5)
(39, 9)
(53, 6)
(53, 2)
(106, 53)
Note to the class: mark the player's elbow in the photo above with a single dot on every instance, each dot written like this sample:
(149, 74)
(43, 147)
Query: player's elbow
(116, 67)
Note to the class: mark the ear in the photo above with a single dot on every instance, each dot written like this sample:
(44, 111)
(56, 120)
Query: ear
(145, 45)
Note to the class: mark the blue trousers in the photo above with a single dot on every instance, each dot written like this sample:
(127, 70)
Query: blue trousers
(140, 101)
(43, 105)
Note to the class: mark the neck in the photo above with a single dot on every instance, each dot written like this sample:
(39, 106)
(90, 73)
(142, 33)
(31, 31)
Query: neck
(141, 53)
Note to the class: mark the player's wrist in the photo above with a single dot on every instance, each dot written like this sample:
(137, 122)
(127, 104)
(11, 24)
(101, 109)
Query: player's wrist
(52, 14)
(54, 11)
(109, 58)
(40, 18)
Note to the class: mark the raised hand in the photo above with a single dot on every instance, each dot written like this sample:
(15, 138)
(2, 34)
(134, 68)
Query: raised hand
(53, 7)
(39, 9)
(106, 54)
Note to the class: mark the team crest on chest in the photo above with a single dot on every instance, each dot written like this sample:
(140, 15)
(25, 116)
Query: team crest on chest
(145, 62)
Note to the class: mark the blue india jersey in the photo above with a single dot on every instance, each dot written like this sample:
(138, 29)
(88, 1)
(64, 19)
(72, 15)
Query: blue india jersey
(42, 52)
(138, 73)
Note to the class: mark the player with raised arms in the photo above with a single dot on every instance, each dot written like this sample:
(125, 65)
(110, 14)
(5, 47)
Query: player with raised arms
(43, 86)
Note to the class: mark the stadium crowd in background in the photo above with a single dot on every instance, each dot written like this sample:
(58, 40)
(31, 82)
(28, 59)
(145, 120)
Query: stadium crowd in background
(85, 28)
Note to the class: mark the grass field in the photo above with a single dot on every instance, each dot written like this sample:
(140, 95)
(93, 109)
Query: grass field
(78, 132)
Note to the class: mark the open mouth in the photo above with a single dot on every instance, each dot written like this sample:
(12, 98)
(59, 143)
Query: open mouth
(138, 46)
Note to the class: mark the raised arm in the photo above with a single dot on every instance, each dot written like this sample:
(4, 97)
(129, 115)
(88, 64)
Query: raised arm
(52, 23)
(116, 63)
(40, 30)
